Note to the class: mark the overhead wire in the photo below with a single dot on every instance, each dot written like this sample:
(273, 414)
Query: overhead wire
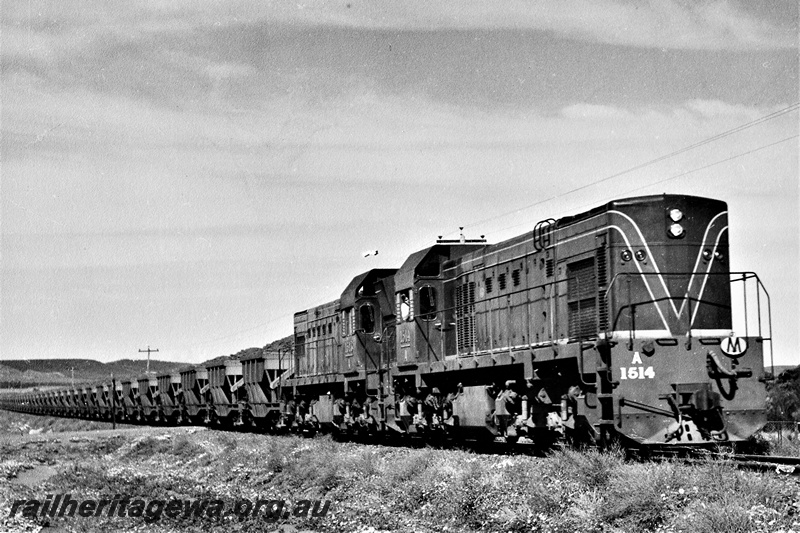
(671, 178)
(727, 133)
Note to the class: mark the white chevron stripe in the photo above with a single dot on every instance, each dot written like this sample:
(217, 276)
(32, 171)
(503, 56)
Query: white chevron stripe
(699, 256)
(708, 269)
(644, 278)
(651, 256)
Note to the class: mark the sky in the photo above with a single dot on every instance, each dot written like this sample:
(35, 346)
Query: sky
(187, 175)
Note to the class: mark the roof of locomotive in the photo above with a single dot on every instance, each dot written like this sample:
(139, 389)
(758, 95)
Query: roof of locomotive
(627, 202)
(574, 219)
(405, 276)
(349, 295)
(301, 317)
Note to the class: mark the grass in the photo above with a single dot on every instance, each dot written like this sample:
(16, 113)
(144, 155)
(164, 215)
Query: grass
(401, 489)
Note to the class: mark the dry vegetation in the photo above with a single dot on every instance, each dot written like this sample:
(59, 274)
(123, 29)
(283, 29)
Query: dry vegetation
(22, 424)
(374, 488)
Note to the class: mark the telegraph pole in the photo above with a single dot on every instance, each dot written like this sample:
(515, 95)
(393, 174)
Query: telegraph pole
(148, 350)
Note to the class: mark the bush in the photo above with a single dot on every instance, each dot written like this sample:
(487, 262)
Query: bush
(784, 396)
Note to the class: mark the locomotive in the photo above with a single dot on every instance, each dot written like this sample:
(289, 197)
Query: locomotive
(620, 324)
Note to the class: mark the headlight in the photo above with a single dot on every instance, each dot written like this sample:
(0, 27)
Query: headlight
(676, 230)
(707, 254)
(676, 215)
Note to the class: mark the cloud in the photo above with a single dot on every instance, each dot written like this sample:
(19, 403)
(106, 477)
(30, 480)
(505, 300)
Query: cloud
(717, 108)
(526, 54)
(106, 163)
(705, 25)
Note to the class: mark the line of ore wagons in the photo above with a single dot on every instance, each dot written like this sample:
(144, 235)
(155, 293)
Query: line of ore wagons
(215, 392)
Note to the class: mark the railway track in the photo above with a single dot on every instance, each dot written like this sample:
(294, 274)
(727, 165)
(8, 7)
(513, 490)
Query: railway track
(785, 465)
(764, 463)
(782, 465)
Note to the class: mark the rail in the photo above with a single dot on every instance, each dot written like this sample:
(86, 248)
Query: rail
(786, 465)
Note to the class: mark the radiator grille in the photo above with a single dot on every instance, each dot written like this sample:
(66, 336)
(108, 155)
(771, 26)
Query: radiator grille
(582, 298)
(465, 316)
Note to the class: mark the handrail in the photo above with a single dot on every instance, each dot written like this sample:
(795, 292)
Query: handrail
(733, 277)
(769, 321)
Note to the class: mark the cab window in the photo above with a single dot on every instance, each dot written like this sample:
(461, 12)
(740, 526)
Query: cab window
(405, 305)
(427, 303)
(367, 318)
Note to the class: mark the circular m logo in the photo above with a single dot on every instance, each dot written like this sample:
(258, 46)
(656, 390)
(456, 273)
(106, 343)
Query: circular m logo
(733, 346)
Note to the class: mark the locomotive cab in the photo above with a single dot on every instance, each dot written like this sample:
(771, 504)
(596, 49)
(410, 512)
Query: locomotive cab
(683, 352)
(424, 305)
(367, 316)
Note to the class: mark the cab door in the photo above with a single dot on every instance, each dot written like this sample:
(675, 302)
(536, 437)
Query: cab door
(429, 321)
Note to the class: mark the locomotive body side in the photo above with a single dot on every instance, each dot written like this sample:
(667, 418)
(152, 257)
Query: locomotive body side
(317, 345)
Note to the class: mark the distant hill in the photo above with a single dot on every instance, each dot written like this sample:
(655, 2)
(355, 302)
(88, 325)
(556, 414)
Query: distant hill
(88, 366)
(21, 373)
(25, 372)
(13, 378)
